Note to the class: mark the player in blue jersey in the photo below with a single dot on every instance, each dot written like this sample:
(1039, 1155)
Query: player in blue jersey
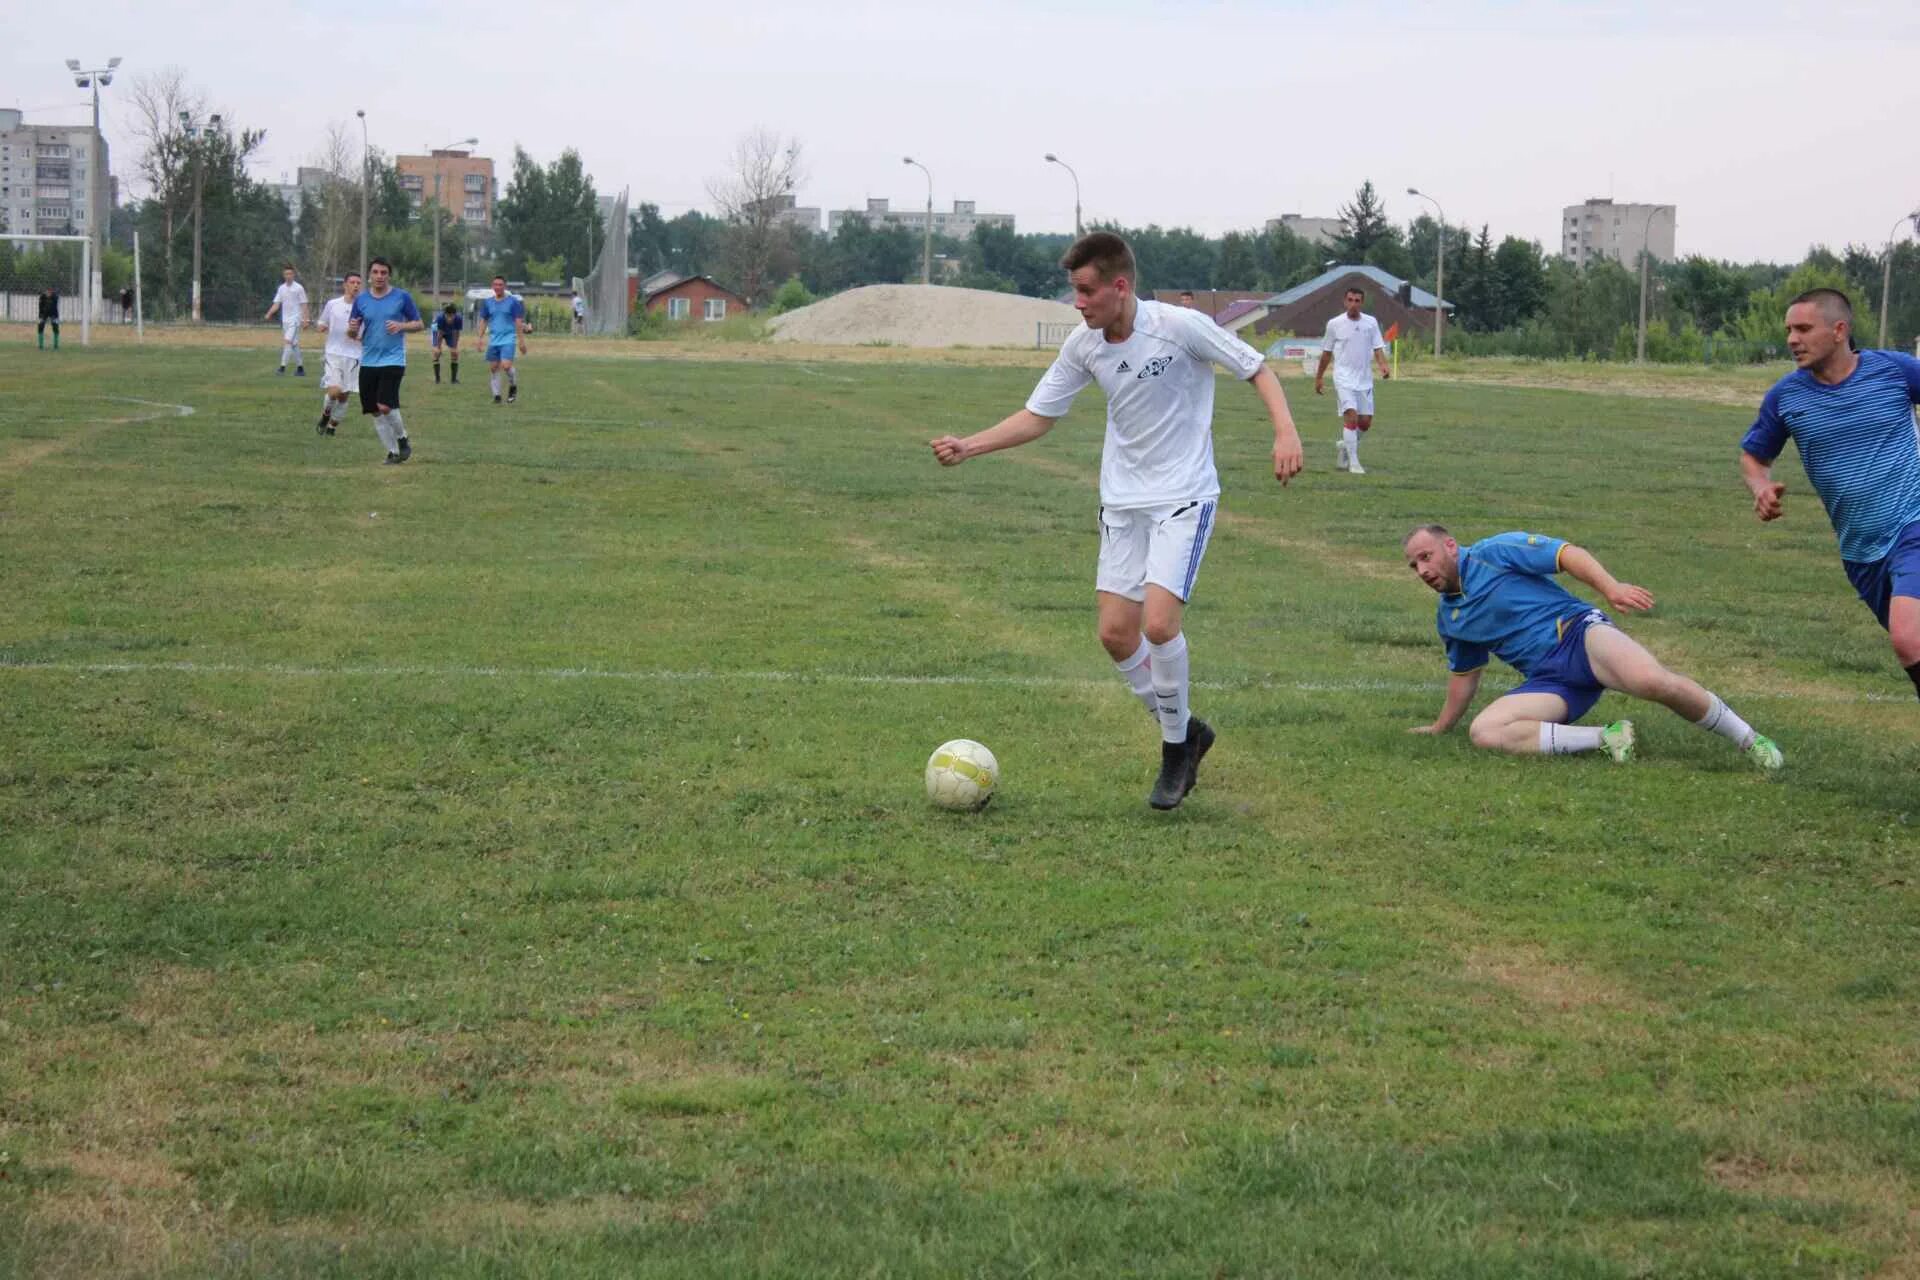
(382, 318)
(446, 333)
(1498, 597)
(1851, 414)
(506, 319)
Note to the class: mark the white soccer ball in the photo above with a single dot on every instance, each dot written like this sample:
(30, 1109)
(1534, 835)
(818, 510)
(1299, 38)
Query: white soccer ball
(962, 775)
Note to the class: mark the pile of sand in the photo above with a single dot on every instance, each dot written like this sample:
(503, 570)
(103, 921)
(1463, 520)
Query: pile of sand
(919, 315)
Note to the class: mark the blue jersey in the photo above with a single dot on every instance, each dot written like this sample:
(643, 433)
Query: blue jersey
(449, 326)
(1508, 603)
(377, 346)
(1857, 444)
(499, 314)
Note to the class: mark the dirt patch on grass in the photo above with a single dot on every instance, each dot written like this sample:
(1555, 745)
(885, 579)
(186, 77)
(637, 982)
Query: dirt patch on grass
(1529, 974)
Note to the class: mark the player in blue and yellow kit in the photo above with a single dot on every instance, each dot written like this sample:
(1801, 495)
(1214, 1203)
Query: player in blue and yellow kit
(506, 319)
(1498, 598)
(1851, 414)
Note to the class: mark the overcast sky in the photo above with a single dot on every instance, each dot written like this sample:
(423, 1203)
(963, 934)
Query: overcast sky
(1771, 126)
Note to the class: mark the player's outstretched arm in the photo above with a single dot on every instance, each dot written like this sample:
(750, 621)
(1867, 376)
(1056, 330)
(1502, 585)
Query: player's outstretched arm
(1018, 428)
(1581, 563)
(1765, 489)
(1288, 458)
(1461, 686)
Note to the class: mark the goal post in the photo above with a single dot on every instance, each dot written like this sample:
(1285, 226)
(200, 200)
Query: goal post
(30, 265)
(604, 287)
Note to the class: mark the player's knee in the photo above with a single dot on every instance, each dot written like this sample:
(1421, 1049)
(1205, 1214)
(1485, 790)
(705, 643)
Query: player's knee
(1362, 422)
(1486, 732)
(1161, 630)
(1905, 634)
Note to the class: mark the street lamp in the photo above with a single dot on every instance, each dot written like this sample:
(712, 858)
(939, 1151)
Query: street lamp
(464, 142)
(95, 78)
(198, 137)
(1054, 159)
(926, 244)
(366, 180)
(1439, 270)
(1646, 234)
(1886, 276)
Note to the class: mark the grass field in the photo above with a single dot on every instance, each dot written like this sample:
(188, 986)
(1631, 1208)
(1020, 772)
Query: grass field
(515, 863)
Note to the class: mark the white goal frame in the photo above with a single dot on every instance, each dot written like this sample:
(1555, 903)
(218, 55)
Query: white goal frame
(88, 285)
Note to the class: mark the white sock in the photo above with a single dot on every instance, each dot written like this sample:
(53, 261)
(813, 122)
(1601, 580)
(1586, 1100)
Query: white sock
(1168, 665)
(1721, 719)
(1567, 739)
(1350, 437)
(1139, 678)
(285, 351)
(384, 431)
(513, 380)
(494, 382)
(339, 410)
(399, 427)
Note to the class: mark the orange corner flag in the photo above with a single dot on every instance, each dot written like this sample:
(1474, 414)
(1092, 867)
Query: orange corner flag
(1393, 331)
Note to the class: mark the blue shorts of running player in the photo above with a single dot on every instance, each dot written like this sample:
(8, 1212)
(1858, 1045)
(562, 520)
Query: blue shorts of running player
(1566, 672)
(498, 351)
(1895, 574)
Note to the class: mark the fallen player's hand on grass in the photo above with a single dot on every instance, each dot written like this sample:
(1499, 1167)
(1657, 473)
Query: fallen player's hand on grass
(1625, 595)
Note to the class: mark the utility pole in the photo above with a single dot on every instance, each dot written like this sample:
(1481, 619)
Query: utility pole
(1646, 251)
(1439, 272)
(200, 138)
(1886, 277)
(366, 181)
(926, 242)
(1054, 159)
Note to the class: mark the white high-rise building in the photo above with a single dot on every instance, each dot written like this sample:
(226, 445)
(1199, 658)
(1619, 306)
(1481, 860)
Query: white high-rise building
(53, 178)
(1603, 229)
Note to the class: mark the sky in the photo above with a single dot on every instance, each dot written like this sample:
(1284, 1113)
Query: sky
(1771, 126)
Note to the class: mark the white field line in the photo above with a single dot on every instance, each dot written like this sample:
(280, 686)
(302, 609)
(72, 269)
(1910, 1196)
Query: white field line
(881, 679)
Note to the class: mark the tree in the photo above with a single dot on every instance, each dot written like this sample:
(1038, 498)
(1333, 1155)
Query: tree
(763, 173)
(1362, 225)
(1284, 259)
(1238, 266)
(245, 232)
(1472, 289)
(547, 213)
(1519, 282)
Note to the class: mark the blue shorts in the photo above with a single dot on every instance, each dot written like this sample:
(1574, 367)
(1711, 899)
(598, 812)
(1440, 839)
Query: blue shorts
(1566, 672)
(1895, 574)
(498, 351)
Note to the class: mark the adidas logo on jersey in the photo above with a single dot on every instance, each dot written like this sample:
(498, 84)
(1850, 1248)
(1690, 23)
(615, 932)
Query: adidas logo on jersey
(1125, 367)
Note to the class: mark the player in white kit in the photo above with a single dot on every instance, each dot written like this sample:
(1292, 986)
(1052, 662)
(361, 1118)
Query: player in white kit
(290, 302)
(1353, 346)
(1158, 486)
(341, 376)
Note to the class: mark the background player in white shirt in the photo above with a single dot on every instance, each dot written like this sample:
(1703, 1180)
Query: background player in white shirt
(1157, 480)
(1353, 345)
(290, 301)
(340, 376)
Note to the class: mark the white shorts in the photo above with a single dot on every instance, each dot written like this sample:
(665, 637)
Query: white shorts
(1159, 545)
(290, 332)
(1358, 399)
(342, 373)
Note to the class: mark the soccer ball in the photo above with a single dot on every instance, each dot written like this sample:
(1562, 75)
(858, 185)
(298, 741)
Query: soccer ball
(962, 775)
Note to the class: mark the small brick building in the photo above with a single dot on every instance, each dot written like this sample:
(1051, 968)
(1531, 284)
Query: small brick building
(681, 297)
(1305, 309)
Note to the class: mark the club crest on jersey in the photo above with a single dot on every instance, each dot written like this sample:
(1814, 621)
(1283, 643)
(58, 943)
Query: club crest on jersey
(1125, 367)
(1154, 367)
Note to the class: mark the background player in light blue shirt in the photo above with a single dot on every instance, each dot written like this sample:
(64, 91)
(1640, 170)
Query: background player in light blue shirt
(1498, 597)
(1851, 414)
(506, 319)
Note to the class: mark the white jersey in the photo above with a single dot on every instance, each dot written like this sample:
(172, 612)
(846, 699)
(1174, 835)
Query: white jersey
(333, 318)
(1353, 343)
(291, 299)
(1159, 386)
